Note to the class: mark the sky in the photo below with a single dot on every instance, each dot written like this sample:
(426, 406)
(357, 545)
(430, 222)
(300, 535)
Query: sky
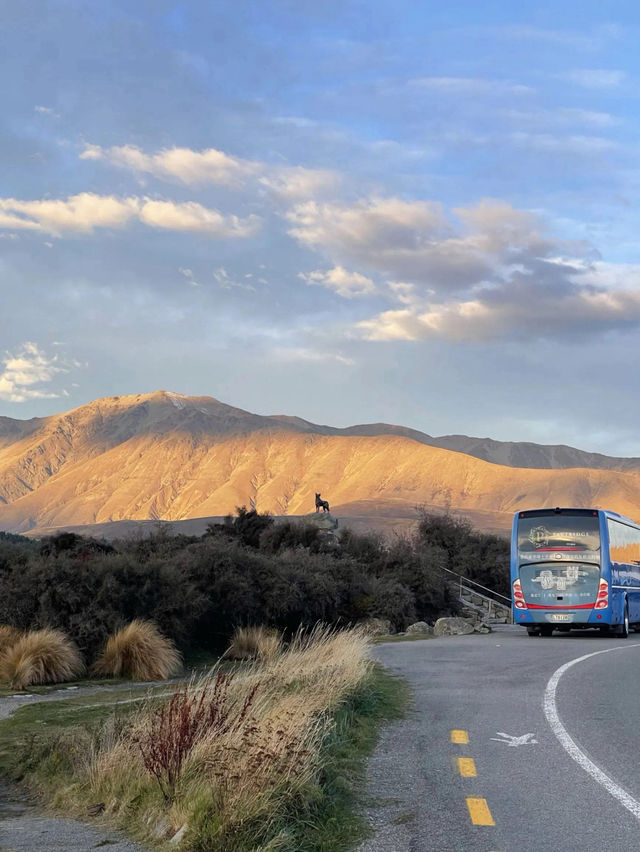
(417, 213)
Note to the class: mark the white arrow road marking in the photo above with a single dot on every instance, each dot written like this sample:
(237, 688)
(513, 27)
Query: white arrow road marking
(551, 712)
(508, 739)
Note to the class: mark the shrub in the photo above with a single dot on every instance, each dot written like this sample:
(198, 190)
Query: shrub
(41, 656)
(138, 651)
(8, 636)
(289, 535)
(254, 643)
(172, 730)
(91, 600)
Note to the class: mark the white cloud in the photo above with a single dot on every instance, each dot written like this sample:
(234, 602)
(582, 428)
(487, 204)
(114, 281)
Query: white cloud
(574, 144)
(565, 38)
(23, 369)
(43, 110)
(193, 217)
(211, 166)
(297, 354)
(595, 78)
(84, 212)
(415, 242)
(188, 274)
(386, 223)
(183, 164)
(297, 182)
(544, 300)
(347, 284)
(564, 316)
(476, 86)
(226, 282)
(561, 117)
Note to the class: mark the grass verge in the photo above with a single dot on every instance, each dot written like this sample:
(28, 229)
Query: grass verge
(304, 795)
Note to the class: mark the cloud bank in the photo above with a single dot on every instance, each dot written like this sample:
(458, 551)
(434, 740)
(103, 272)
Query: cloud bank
(85, 212)
(486, 272)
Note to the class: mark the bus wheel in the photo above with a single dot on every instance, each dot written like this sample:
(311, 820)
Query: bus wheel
(546, 630)
(533, 631)
(623, 630)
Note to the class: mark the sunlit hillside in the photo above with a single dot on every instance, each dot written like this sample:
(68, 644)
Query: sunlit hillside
(165, 456)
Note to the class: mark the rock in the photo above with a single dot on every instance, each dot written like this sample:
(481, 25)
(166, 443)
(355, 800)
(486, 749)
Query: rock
(377, 626)
(452, 626)
(322, 520)
(481, 627)
(179, 835)
(419, 627)
(160, 828)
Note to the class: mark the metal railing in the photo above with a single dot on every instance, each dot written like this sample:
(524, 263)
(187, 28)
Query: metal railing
(466, 581)
(495, 600)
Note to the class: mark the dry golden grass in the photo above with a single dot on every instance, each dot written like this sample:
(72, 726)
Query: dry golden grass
(260, 747)
(8, 636)
(254, 643)
(40, 656)
(138, 651)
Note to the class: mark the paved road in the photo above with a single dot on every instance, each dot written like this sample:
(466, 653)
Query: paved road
(538, 796)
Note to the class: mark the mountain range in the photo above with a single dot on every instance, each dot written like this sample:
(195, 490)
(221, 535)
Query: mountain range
(165, 456)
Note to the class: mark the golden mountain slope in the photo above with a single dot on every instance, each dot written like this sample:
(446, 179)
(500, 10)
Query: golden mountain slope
(170, 457)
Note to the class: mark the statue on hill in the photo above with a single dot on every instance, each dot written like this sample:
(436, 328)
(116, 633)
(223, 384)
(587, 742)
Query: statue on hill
(321, 504)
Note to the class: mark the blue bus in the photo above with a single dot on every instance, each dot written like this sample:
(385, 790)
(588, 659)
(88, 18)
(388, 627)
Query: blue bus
(575, 568)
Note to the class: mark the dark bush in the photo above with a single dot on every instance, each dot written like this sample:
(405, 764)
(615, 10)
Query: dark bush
(89, 600)
(248, 570)
(290, 535)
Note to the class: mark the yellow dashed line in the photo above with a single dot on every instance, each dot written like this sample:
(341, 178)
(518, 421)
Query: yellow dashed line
(479, 812)
(461, 737)
(467, 767)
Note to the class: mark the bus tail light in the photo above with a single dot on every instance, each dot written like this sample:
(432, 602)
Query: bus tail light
(518, 597)
(602, 600)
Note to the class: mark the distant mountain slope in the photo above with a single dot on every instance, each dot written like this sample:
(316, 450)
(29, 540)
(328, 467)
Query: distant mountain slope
(166, 456)
(511, 453)
(525, 454)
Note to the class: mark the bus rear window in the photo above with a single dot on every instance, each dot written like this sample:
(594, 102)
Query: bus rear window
(570, 532)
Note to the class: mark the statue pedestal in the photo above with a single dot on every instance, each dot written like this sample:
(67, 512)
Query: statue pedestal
(322, 520)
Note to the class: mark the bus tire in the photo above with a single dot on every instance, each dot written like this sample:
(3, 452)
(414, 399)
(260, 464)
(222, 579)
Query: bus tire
(623, 630)
(533, 631)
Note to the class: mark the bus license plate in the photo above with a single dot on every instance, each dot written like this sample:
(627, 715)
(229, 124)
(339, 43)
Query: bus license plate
(561, 616)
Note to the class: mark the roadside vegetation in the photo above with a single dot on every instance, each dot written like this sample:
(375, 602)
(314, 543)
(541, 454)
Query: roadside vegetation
(265, 756)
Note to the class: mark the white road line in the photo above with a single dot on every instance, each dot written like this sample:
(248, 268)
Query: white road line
(551, 712)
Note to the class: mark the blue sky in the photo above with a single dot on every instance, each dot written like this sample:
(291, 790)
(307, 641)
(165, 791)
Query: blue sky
(348, 211)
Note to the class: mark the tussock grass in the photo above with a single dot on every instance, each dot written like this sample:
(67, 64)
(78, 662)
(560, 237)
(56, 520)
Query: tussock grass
(254, 643)
(8, 636)
(138, 651)
(40, 656)
(237, 759)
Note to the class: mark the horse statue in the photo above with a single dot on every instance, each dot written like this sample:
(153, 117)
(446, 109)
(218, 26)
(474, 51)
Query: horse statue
(321, 504)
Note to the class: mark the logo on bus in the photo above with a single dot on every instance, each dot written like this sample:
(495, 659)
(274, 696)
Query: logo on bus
(539, 536)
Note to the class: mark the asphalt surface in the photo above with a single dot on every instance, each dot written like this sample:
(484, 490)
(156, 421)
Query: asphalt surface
(538, 796)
